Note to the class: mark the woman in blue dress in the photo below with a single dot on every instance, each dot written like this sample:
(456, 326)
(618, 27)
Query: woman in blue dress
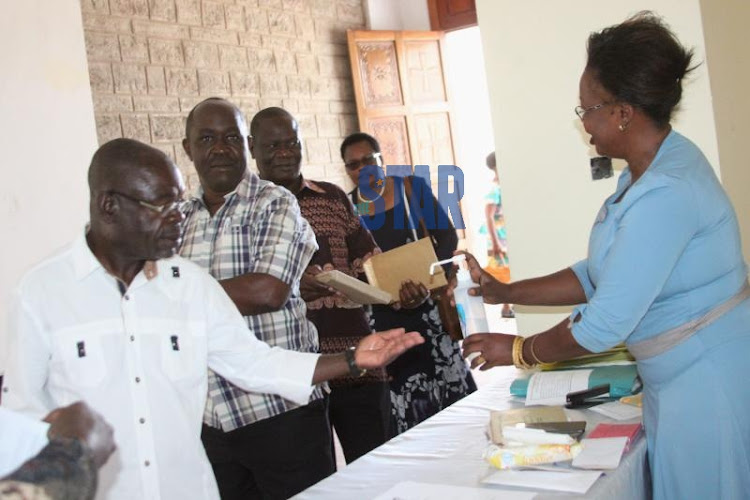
(664, 272)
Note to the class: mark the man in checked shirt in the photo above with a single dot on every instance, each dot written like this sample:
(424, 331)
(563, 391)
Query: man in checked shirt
(249, 234)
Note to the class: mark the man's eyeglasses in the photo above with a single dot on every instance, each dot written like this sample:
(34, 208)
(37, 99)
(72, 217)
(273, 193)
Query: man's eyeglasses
(372, 159)
(581, 111)
(163, 209)
(293, 145)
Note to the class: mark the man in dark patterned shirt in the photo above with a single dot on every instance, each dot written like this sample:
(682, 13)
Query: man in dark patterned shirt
(359, 408)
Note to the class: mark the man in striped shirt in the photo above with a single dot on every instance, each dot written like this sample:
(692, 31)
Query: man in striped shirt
(249, 234)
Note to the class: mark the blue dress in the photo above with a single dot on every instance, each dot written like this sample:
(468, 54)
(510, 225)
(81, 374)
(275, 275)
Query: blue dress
(665, 254)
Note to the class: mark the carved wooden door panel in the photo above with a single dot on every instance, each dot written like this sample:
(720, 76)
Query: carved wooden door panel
(402, 98)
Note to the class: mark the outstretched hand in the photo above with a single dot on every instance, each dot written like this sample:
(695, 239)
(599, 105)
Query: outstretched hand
(494, 349)
(380, 348)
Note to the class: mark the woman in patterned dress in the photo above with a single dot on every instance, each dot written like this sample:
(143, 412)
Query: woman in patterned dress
(432, 376)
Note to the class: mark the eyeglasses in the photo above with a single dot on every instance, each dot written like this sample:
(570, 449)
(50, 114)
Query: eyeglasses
(275, 147)
(371, 159)
(581, 111)
(163, 209)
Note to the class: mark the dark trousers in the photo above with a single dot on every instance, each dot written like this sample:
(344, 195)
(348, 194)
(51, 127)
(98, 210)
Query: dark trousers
(361, 415)
(274, 458)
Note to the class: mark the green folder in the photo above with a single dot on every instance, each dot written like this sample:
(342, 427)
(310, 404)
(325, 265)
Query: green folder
(622, 379)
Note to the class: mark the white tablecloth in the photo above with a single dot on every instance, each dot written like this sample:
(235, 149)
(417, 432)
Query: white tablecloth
(447, 449)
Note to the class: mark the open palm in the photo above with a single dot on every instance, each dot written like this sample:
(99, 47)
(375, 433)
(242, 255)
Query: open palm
(380, 348)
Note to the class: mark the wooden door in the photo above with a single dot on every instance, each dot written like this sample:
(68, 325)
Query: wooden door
(402, 98)
(449, 15)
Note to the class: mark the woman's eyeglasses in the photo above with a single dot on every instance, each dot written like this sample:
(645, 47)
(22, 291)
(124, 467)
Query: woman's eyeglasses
(371, 159)
(581, 111)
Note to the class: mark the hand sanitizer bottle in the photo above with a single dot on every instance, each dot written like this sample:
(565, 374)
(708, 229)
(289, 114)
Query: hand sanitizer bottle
(470, 308)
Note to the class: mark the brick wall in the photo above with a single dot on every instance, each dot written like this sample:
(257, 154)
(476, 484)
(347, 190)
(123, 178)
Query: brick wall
(151, 61)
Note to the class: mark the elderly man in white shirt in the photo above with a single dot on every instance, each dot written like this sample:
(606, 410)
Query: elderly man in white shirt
(120, 321)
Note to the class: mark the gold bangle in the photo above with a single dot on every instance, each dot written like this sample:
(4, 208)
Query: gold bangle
(531, 351)
(517, 354)
(514, 352)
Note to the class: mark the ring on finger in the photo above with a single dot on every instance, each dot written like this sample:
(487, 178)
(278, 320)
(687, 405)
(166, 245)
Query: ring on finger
(480, 360)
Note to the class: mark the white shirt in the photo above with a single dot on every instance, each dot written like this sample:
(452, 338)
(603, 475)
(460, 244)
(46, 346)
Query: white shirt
(140, 359)
(21, 438)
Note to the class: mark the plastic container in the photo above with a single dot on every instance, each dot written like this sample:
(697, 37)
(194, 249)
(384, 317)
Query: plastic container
(470, 308)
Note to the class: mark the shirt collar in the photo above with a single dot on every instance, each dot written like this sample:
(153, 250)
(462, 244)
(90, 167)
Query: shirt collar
(312, 186)
(245, 187)
(85, 262)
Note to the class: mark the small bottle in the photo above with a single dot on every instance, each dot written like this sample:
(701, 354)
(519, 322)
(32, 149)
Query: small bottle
(470, 308)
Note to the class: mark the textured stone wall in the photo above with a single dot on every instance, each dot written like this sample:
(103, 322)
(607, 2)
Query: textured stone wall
(150, 61)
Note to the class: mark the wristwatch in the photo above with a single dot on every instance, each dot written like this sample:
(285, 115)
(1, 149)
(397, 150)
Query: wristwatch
(354, 370)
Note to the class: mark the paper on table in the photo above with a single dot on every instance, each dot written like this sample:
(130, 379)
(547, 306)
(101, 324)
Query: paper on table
(600, 453)
(574, 482)
(411, 490)
(618, 411)
(550, 388)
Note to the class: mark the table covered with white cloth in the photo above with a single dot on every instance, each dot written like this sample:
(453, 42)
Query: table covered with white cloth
(447, 449)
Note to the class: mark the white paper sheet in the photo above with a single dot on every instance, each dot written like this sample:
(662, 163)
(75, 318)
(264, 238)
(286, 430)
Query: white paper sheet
(411, 490)
(573, 482)
(600, 453)
(618, 411)
(550, 388)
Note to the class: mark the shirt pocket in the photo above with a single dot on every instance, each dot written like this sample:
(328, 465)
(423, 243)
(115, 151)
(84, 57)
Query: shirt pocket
(80, 355)
(183, 353)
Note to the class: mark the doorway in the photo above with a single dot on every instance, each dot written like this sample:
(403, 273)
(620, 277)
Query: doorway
(474, 138)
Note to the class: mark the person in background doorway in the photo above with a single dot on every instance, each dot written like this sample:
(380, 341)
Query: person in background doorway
(494, 230)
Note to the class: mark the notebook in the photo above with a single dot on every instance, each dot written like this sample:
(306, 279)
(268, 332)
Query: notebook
(629, 431)
(356, 290)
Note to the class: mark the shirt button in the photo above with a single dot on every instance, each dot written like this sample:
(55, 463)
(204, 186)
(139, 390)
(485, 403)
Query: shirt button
(137, 380)
(132, 338)
(5, 389)
(146, 463)
(142, 420)
(127, 297)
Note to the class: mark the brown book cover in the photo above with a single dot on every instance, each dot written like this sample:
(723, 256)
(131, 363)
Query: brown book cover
(412, 261)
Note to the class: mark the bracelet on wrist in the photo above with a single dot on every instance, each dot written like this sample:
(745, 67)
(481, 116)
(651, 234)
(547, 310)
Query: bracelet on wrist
(534, 357)
(517, 354)
(354, 369)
